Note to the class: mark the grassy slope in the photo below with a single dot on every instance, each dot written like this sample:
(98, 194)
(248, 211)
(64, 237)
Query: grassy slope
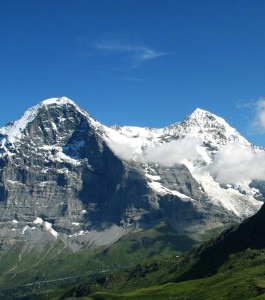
(157, 242)
(231, 266)
(27, 270)
(242, 277)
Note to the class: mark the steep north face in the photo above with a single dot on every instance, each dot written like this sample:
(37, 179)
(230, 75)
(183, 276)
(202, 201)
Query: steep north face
(64, 173)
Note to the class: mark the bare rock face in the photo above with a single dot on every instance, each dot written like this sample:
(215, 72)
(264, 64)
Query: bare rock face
(58, 166)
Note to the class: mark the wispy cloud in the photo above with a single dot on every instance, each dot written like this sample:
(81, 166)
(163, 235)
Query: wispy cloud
(123, 77)
(135, 54)
(258, 124)
(241, 104)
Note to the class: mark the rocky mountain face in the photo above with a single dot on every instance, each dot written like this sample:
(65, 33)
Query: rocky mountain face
(65, 174)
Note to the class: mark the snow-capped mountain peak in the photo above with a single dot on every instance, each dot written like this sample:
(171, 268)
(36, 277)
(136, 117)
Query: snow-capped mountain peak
(209, 128)
(199, 112)
(13, 132)
(58, 101)
(209, 122)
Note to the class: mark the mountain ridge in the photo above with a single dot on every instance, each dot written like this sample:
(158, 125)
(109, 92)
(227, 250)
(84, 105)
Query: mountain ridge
(197, 115)
(59, 161)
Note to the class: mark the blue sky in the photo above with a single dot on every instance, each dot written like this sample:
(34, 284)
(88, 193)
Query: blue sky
(136, 62)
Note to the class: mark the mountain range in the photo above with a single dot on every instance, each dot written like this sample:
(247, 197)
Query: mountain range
(70, 182)
(60, 166)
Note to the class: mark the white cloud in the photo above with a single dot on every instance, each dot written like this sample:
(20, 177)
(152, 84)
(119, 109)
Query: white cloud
(173, 152)
(167, 154)
(259, 121)
(124, 149)
(136, 55)
(234, 163)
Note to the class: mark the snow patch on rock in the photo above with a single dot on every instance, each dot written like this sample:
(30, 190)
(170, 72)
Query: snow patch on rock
(46, 226)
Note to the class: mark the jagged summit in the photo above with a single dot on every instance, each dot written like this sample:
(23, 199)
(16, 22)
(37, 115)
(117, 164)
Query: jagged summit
(14, 130)
(208, 127)
(199, 110)
(61, 107)
(202, 117)
(61, 103)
